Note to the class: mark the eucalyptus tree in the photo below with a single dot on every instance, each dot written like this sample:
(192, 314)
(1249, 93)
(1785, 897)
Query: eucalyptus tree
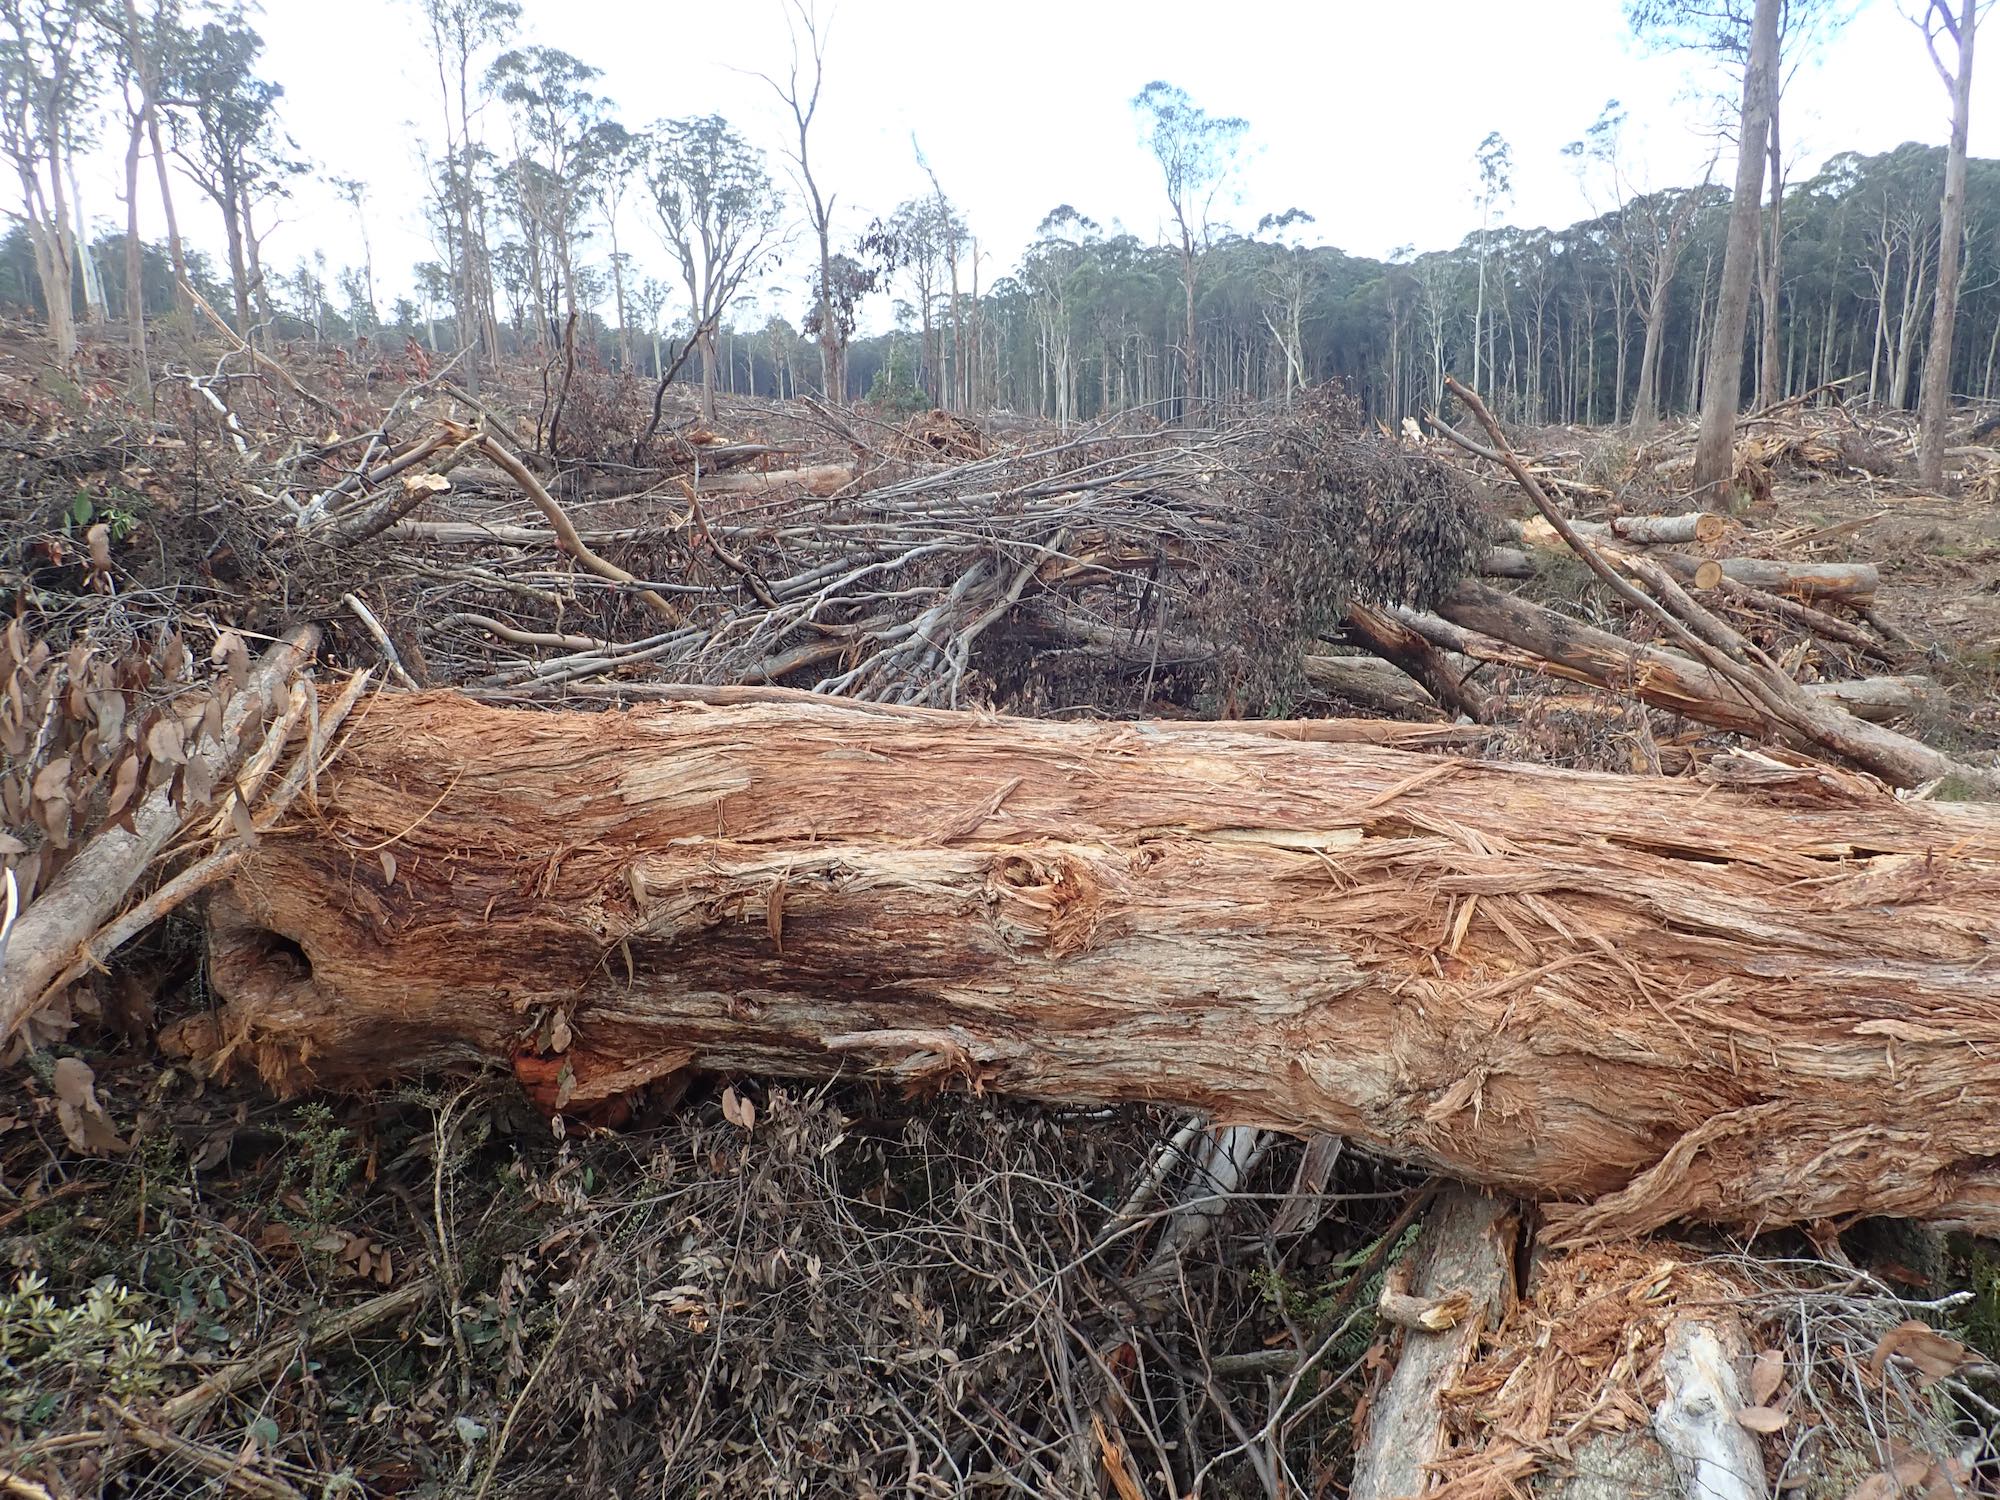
(47, 49)
(462, 35)
(1494, 162)
(1054, 270)
(147, 41)
(1198, 155)
(917, 244)
(1939, 23)
(1289, 273)
(800, 93)
(1719, 25)
(613, 156)
(718, 213)
(555, 115)
(834, 291)
(225, 129)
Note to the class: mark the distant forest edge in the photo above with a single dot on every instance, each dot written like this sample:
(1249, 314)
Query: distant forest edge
(1089, 322)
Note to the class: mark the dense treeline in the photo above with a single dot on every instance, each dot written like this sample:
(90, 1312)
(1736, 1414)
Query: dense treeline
(1089, 323)
(1609, 320)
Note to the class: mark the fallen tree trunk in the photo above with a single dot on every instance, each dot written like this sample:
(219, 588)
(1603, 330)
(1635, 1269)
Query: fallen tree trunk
(1375, 684)
(1447, 681)
(1641, 531)
(1851, 584)
(1523, 634)
(1658, 998)
(1461, 1289)
(818, 479)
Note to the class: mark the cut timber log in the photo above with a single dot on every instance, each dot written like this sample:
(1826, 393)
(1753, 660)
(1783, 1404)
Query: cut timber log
(1851, 584)
(1448, 681)
(1511, 631)
(1462, 1288)
(1642, 999)
(819, 479)
(1374, 684)
(1640, 531)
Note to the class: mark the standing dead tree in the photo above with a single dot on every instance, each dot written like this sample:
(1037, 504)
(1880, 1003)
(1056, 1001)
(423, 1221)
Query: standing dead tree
(801, 97)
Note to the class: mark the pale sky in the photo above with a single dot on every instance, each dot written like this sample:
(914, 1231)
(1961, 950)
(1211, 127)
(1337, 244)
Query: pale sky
(1366, 115)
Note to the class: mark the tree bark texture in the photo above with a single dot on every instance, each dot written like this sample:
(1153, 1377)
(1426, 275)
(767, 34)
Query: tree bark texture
(1639, 999)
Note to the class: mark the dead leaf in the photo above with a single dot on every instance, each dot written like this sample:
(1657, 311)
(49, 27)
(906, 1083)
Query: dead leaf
(82, 1118)
(737, 1110)
(1764, 1419)
(165, 742)
(52, 781)
(124, 782)
(389, 867)
(559, 1033)
(241, 821)
(1767, 1373)
(1935, 1355)
(1894, 1481)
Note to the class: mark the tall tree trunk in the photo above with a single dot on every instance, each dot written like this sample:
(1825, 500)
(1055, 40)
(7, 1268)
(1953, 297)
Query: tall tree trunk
(90, 282)
(239, 270)
(1906, 334)
(1936, 395)
(260, 289)
(1646, 405)
(135, 261)
(1190, 353)
(707, 342)
(1770, 382)
(1722, 391)
(618, 296)
(175, 254)
(1639, 999)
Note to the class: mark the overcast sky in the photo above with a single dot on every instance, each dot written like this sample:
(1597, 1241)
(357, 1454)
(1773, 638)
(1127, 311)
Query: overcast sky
(1365, 115)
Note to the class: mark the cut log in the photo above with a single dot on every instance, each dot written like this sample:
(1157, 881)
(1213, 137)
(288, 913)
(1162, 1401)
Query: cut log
(1880, 700)
(819, 479)
(1507, 562)
(1461, 1289)
(1519, 633)
(1374, 684)
(1640, 531)
(1850, 584)
(1647, 999)
(1448, 681)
